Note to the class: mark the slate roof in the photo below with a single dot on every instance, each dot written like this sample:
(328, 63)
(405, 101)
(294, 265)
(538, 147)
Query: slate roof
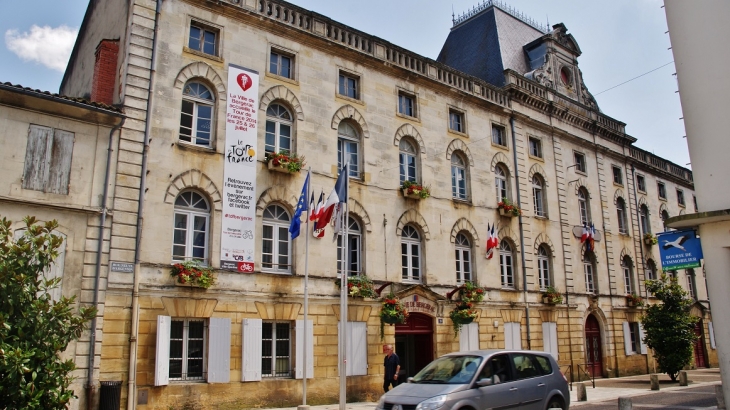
(62, 98)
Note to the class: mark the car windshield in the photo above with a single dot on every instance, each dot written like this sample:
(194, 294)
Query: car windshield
(449, 370)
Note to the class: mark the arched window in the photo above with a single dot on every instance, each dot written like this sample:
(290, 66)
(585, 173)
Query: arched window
(276, 247)
(665, 216)
(589, 268)
(408, 161)
(191, 227)
(348, 148)
(278, 129)
(691, 284)
(500, 181)
(506, 265)
(543, 267)
(410, 246)
(538, 196)
(584, 206)
(628, 268)
(644, 219)
(463, 258)
(458, 177)
(196, 115)
(650, 270)
(621, 215)
(353, 262)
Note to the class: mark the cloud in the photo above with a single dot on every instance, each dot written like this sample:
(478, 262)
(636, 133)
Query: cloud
(46, 45)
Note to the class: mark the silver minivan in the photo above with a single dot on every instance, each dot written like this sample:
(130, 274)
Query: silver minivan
(483, 379)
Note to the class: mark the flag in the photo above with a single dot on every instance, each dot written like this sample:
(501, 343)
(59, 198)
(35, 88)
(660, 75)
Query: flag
(492, 241)
(591, 239)
(312, 209)
(301, 206)
(337, 196)
(584, 236)
(314, 214)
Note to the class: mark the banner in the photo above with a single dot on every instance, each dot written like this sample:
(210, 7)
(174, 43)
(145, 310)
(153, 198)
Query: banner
(239, 172)
(679, 250)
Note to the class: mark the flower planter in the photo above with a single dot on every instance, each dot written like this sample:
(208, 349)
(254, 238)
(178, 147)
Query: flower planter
(648, 242)
(630, 303)
(189, 285)
(505, 214)
(411, 196)
(464, 321)
(277, 168)
(391, 320)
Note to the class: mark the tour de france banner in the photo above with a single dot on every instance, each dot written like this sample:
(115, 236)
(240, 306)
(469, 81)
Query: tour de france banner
(239, 172)
(679, 250)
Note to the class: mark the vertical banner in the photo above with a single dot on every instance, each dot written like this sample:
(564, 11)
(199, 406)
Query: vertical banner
(239, 173)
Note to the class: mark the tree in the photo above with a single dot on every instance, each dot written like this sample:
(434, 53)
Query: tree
(33, 328)
(669, 326)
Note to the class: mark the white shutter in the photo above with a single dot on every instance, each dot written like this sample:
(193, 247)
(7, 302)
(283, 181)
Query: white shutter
(627, 339)
(219, 350)
(516, 336)
(712, 335)
(508, 335)
(358, 348)
(550, 338)
(641, 339)
(162, 351)
(59, 170)
(469, 337)
(464, 338)
(37, 157)
(299, 365)
(251, 350)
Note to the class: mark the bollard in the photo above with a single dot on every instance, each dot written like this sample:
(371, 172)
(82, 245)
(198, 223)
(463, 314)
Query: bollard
(654, 379)
(624, 403)
(682, 378)
(720, 397)
(581, 392)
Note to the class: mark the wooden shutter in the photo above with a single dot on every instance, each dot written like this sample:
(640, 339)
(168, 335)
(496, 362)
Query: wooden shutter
(712, 335)
(162, 351)
(299, 365)
(512, 336)
(469, 337)
(357, 352)
(251, 350)
(59, 170)
(641, 339)
(219, 350)
(37, 157)
(550, 338)
(627, 339)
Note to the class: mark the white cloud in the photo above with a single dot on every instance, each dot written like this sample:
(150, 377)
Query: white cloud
(46, 45)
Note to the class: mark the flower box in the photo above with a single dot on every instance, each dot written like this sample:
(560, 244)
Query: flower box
(411, 195)
(358, 286)
(650, 239)
(463, 314)
(504, 213)
(508, 209)
(415, 191)
(392, 312)
(551, 296)
(634, 301)
(284, 162)
(192, 274)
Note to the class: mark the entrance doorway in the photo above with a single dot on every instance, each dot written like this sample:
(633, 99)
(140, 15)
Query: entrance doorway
(414, 344)
(699, 347)
(594, 364)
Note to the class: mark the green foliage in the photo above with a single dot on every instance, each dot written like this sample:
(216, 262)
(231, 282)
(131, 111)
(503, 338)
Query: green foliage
(194, 273)
(669, 326)
(552, 295)
(359, 286)
(34, 329)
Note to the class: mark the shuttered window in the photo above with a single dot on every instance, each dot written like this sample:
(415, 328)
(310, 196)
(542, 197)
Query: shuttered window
(469, 337)
(299, 365)
(48, 160)
(512, 336)
(550, 338)
(357, 349)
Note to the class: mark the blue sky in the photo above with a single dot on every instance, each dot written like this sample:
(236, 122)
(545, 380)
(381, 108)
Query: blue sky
(620, 40)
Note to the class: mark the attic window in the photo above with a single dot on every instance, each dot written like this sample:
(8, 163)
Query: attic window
(565, 76)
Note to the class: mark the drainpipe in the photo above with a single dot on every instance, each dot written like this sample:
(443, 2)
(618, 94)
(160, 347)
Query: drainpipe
(131, 388)
(522, 234)
(641, 245)
(90, 384)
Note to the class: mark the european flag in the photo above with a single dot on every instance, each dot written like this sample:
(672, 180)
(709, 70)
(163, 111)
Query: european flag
(301, 206)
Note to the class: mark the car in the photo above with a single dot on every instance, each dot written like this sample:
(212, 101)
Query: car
(483, 379)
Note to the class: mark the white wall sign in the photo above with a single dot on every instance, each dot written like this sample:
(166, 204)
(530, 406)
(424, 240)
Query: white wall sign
(239, 172)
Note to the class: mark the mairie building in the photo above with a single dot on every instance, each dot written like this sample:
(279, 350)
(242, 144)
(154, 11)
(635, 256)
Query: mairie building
(502, 115)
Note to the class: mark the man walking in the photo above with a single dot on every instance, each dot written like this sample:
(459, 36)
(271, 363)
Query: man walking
(392, 367)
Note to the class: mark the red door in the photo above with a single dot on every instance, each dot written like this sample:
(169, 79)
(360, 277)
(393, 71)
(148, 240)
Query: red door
(700, 359)
(414, 344)
(594, 365)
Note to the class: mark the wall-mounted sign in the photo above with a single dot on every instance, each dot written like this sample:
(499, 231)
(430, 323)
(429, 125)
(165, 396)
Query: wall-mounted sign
(415, 303)
(679, 250)
(124, 267)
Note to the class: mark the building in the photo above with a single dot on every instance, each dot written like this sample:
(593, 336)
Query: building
(470, 129)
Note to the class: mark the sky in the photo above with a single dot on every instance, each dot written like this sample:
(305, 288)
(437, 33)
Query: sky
(620, 40)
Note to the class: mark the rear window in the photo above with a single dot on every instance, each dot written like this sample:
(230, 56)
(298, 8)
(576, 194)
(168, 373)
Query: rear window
(544, 364)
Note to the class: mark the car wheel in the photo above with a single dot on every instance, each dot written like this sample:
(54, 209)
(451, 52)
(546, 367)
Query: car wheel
(556, 403)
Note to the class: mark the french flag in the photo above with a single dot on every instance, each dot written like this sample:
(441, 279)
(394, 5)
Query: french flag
(337, 196)
(591, 239)
(585, 235)
(315, 214)
(492, 242)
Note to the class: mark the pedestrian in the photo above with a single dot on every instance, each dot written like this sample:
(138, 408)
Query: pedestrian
(391, 364)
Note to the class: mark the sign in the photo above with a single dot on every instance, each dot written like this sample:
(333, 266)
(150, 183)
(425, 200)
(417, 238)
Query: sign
(417, 303)
(239, 171)
(679, 250)
(125, 267)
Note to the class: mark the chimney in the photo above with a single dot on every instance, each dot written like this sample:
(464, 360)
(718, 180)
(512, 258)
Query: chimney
(105, 71)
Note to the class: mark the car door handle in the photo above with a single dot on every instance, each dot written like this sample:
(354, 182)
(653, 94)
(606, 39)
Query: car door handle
(541, 385)
(513, 389)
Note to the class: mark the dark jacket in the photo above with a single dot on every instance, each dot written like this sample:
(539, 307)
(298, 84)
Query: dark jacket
(391, 364)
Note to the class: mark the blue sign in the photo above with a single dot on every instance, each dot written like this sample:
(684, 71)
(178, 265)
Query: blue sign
(679, 250)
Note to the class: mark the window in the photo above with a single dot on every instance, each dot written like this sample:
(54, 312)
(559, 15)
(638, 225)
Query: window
(408, 161)
(456, 121)
(580, 162)
(281, 352)
(589, 270)
(665, 216)
(349, 85)
(348, 148)
(538, 196)
(691, 284)
(650, 270)
(627, 268)
(634, 345)
(458, 177)
(644, 219)
(500, 182)
(662, 190)
(512, 341)
(498, 135)
(191, 227)
(621, 216)
(584, 206)
(543, 267)
(278, 129)
(694, 199)
(281, 64)
(411, 254)
(535, 147)
(48, 160)
(506, 266)
(203, 39)
(187, 344)
(640, 183)
(196, 115)
(353, 263)
(618, 177)
(276, 349)
(680, 197)
(276, 248)
(406, 104)
(463, 258)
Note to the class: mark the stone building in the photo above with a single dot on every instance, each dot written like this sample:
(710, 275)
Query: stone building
(507, 116)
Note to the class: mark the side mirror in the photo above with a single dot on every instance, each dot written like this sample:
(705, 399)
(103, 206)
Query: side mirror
(487, 381)
(409, 380)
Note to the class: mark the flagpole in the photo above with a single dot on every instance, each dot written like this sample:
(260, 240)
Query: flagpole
(343, 301)
(306, 295)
